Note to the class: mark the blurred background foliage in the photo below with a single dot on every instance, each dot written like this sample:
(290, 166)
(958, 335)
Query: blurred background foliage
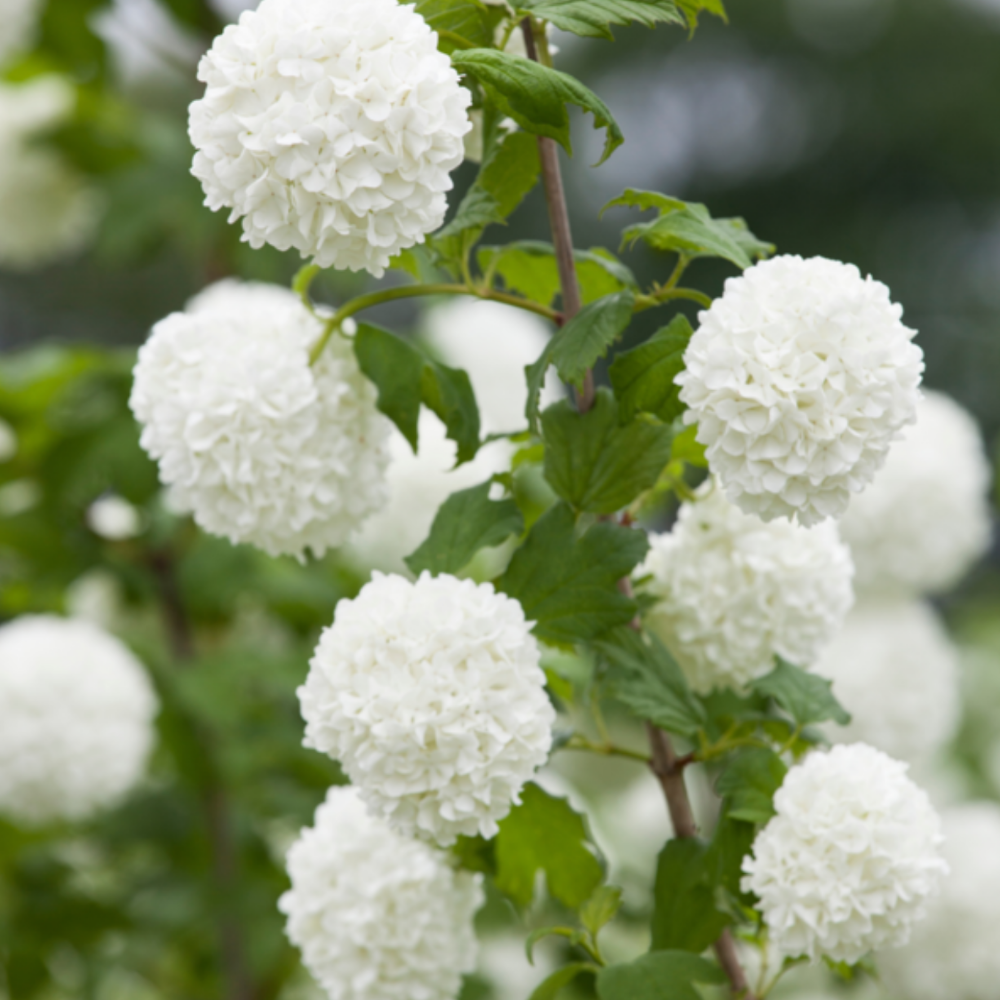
(863, 130)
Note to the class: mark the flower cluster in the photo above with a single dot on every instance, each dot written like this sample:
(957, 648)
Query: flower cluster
(48, 210)
(330, 126)
(260, 446)
(431, 697)
(925, 520)
(953, 952)
(800, 377)
(896, 671)
(76, 719)
(18, 18)
(733, 591)
(376, 915)
(851, 858)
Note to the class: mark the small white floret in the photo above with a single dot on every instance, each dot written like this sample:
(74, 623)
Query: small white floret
(114, 518)
(800, 377)
(851, 859)
(378, 916)
(330, 127)
(732, 592)
(431, 696)
(260, 446)
(76, 719)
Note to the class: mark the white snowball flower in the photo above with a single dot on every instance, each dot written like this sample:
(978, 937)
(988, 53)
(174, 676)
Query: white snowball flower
(76, 719)
(257, 444)
(330, 126)
(18, 19)
(431, 697)
(953, 953)
(926, 519)
(48, 209)
(800, 377)
(378, 916)
(493, 343)
(733, 591)
(896, 671)
(851, 858)
(114, 518)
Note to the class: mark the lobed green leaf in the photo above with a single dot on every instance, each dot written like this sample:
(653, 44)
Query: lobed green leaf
(643, 378)
(460, 24)
(685, 917)
(592, 18)
(550, 988)
(806, 697)
(660, 975)
(749, 783)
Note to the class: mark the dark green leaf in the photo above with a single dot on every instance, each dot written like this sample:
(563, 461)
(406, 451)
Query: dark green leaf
(692, 8)
(660, 975)
(467, 522)
(731, 843)
(577, 347)
(643, 378)
(687, 447)
(591, 18)
(569, 585)
(749, 783)
(536, 96)
(475, 854)
(460, 23)
(685, 917)
(560, 978)
(597, 464)
(646, 678)
(805, 697)
(601, 908)
(405, 378)
(545, 834)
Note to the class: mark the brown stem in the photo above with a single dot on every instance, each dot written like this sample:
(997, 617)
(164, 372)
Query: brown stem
(562, 236)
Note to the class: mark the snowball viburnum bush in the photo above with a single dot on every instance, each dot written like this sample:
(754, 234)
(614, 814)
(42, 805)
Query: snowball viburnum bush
(330, 127)
(851, 859)
(732, 591)
(431, 697)
(76, 719)
(378, 916)
(926, 518)
(257, 444)
(800, 377)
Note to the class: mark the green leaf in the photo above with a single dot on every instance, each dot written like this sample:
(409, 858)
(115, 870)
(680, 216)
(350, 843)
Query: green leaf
(643, 378)
(687, 447)
(692, 8)
(548, 989)
(545, 834)
(731, 843)
(576, 348)
(466, 522)
(405, 378)
(687, 228)
(749, 783)
(806, 697)
(591, 18)
(685, 917)
(597, 464)
(529, 268)
(569, 586)
(601, 908)
(460, 23)
(536, 96)
(646, 678)
(660, 975)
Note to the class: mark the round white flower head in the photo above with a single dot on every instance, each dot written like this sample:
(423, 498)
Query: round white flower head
(330, 126)
(48, 209)
(800, 377)
(431, 697)
(953, 952)
(896, 671)
(926, 519)
(378, 916)
(851, 858)
(257, 444)
(733, 591)
(19, 19)
(76, 719)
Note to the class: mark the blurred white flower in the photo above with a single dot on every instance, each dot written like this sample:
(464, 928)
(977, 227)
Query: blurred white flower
(19, 18)
(800, 377)
(896, 671)
(114, 518)
(330, 126)
(96, 597)
(76, 719)
(48, 209)
(926, 518)
(378, 916)
(953, 952)
(431, 697)
(19, 496)
(851, 858)
(733, 591)
(8, 442)
(260, 446)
